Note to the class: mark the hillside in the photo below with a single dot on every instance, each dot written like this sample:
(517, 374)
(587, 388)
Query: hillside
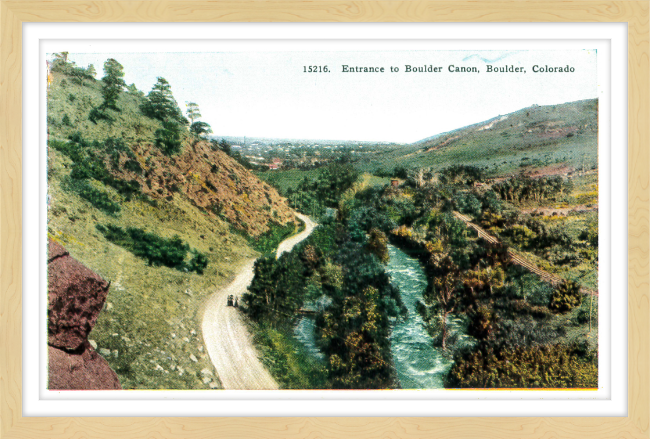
(532, 137)
(164, 228)
(205, 175)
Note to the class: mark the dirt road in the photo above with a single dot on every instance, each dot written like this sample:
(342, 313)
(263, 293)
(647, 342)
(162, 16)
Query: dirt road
(225, 334)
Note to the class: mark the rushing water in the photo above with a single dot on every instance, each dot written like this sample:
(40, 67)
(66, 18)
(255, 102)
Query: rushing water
(304, 332)
(419, 364)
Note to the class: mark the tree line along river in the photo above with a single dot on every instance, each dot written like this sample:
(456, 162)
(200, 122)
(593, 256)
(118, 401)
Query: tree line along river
(419, 364)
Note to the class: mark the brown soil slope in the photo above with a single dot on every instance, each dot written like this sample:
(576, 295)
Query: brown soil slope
(212, 181)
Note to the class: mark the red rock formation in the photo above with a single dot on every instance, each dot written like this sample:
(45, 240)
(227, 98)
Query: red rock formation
(75, 298)
(86, 370)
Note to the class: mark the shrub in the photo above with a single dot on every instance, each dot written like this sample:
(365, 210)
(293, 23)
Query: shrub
(565, 297)
(534, 367)
(269, 241)
(168, 138)
(156, 250)
(100, 114)
(378, 244)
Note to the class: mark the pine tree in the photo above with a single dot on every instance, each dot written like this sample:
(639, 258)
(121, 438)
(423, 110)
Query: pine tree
(91, 70)
(161, 105)
(193, 111)
(198, 128)
(113, 83)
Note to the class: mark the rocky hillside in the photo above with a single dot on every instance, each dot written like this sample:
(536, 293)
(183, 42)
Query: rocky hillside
(164, 225)
(211, 181)
(201, 172)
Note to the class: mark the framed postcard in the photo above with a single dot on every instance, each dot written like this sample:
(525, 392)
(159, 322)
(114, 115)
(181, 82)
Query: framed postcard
(250, 226)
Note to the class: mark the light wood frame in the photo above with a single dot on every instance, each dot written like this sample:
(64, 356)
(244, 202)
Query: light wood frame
(14, 13)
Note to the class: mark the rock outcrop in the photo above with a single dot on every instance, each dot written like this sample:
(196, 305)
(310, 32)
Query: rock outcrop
(76, 295)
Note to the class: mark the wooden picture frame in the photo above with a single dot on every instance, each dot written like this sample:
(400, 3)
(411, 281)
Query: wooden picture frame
(14, 13)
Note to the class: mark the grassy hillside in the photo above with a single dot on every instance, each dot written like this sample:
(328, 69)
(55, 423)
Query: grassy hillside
(529, 138)
(196, 205)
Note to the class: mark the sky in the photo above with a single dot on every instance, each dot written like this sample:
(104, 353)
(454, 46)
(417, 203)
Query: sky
(269, 94)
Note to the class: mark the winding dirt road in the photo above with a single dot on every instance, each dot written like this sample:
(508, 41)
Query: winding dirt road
(225, 334)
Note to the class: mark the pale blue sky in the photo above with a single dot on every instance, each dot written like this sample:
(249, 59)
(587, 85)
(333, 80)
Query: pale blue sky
(267, 94)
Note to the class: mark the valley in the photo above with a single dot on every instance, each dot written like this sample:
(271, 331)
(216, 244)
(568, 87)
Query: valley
(468, 259)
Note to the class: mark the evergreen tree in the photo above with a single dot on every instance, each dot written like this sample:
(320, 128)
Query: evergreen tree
(193, 111)
(225, 146)
(161, 105)
(113, 83)
(168, 138)
(91, 70)
(198, 128)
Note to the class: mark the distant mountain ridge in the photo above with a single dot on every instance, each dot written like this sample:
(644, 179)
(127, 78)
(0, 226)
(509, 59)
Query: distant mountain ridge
(570, 106)
(533, 136)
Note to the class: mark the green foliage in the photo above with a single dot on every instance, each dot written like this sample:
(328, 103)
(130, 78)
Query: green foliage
(76, 74)
(198, 263)
(276, 292)
(193, 111)
(286, 359)
(468, 203)
(378, 244)
(156, 250)
(96, 197)
(590, 234)
(160, 104)
(97, 114)
(225, 146)
(556, 367)
(565, 297)
(525, 188)
(88, 163)
(268, 242)
(112, 83)
(312, 197)
(399, 172)
(168, 138)
(199, 128)
(133, 90)
(462, 174)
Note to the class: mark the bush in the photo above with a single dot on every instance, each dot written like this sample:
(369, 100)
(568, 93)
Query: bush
(378, 244)
(156, 250)
(557, 367)
(100, 114)
(168, 138)
(268, 242)
(96, 197)
(565, 297)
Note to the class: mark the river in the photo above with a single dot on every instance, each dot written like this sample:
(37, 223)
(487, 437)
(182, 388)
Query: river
(419, 364)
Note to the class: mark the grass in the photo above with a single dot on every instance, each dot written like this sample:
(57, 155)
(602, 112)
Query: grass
(151, 323)
(129, 125)
(507, 148)
(286, 359)
(283, 180)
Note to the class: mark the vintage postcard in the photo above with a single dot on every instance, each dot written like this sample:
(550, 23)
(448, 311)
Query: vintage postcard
(397, 219)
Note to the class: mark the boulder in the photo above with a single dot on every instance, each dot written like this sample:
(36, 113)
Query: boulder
(75, 298)
(83, 369)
